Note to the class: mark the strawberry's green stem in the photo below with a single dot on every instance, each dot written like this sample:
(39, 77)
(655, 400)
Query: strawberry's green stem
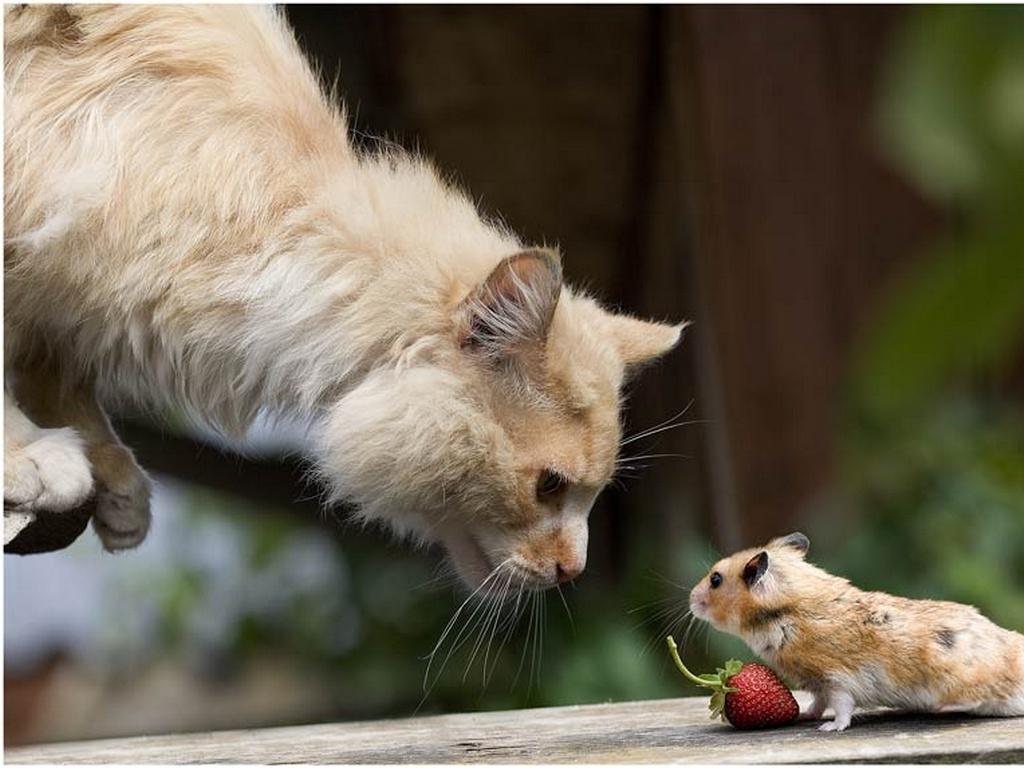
(674, 651)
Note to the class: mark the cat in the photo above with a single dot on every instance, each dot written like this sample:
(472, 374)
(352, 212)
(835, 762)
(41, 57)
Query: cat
(188, 227)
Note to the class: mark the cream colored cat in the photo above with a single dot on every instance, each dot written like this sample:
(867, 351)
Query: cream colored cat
(187, 226)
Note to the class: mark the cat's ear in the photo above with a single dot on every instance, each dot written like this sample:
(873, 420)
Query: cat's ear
(511, 310)
(640, 341)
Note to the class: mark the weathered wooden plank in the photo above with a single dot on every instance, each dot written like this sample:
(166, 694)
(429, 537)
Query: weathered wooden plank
(669, 730)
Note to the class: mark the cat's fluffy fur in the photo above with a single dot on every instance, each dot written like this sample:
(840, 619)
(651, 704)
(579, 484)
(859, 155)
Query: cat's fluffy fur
(188, 226)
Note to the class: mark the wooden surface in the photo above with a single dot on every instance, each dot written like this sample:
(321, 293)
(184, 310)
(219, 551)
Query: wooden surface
(670, 730)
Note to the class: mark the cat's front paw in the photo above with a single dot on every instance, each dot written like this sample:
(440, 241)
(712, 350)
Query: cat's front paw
(52, 473)
(122, 515)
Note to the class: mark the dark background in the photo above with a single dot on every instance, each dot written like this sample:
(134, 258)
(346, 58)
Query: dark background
(830, 194)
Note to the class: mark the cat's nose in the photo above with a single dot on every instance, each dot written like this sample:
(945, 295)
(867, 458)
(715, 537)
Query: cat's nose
(567, 571)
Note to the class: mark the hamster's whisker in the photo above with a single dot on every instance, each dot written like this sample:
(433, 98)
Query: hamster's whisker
(664, 579)
(687, 617)
(658, 615)
(652, 603)
(689, 629)
(670, 618)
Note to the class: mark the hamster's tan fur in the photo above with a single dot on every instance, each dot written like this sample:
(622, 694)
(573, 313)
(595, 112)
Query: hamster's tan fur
(855, 648)
(187, 226)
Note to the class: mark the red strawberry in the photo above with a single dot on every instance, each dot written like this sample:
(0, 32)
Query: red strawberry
(747, 695)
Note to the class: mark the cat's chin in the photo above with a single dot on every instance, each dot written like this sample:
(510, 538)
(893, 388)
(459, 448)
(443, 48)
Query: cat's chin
(469, 559)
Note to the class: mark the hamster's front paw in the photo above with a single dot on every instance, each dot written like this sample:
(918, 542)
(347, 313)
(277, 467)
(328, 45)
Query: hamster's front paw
(834, 726)
(52, 473)
(816, 709)
(122, 515)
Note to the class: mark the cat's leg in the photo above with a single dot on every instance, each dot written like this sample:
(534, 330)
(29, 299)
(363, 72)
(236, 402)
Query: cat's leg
(44, 469)
(122, 517)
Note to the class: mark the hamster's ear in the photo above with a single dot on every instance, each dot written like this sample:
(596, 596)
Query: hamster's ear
(796, 541)
(639, 341)
(511, 310)
(755, 568)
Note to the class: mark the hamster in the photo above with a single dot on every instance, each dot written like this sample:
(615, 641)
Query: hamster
(852, 648)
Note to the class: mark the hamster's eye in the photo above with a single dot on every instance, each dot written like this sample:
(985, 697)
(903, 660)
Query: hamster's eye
(716, 580)
(549, 485)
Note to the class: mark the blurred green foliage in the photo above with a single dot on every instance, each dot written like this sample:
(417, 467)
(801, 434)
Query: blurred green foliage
(937, 510)
(933, 483)
(952, 119)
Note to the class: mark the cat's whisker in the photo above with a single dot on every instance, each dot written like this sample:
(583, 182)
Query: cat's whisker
(667, 424)
(630, 473)
(444, 575)
(509, 627)
(526, 643)
(455, 616)
(543, 628)
(565, 605)
(493, 611)
(660, 430)
(644, 457)
(472, 624)
(535, 609)
(494, 628)
(480, 630)
(536, 640)
(497, 626)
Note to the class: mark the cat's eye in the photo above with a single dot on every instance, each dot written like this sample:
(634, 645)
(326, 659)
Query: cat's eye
(549, 485)
(716, 580)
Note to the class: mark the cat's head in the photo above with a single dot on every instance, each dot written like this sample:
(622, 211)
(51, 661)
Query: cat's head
(497, 443)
